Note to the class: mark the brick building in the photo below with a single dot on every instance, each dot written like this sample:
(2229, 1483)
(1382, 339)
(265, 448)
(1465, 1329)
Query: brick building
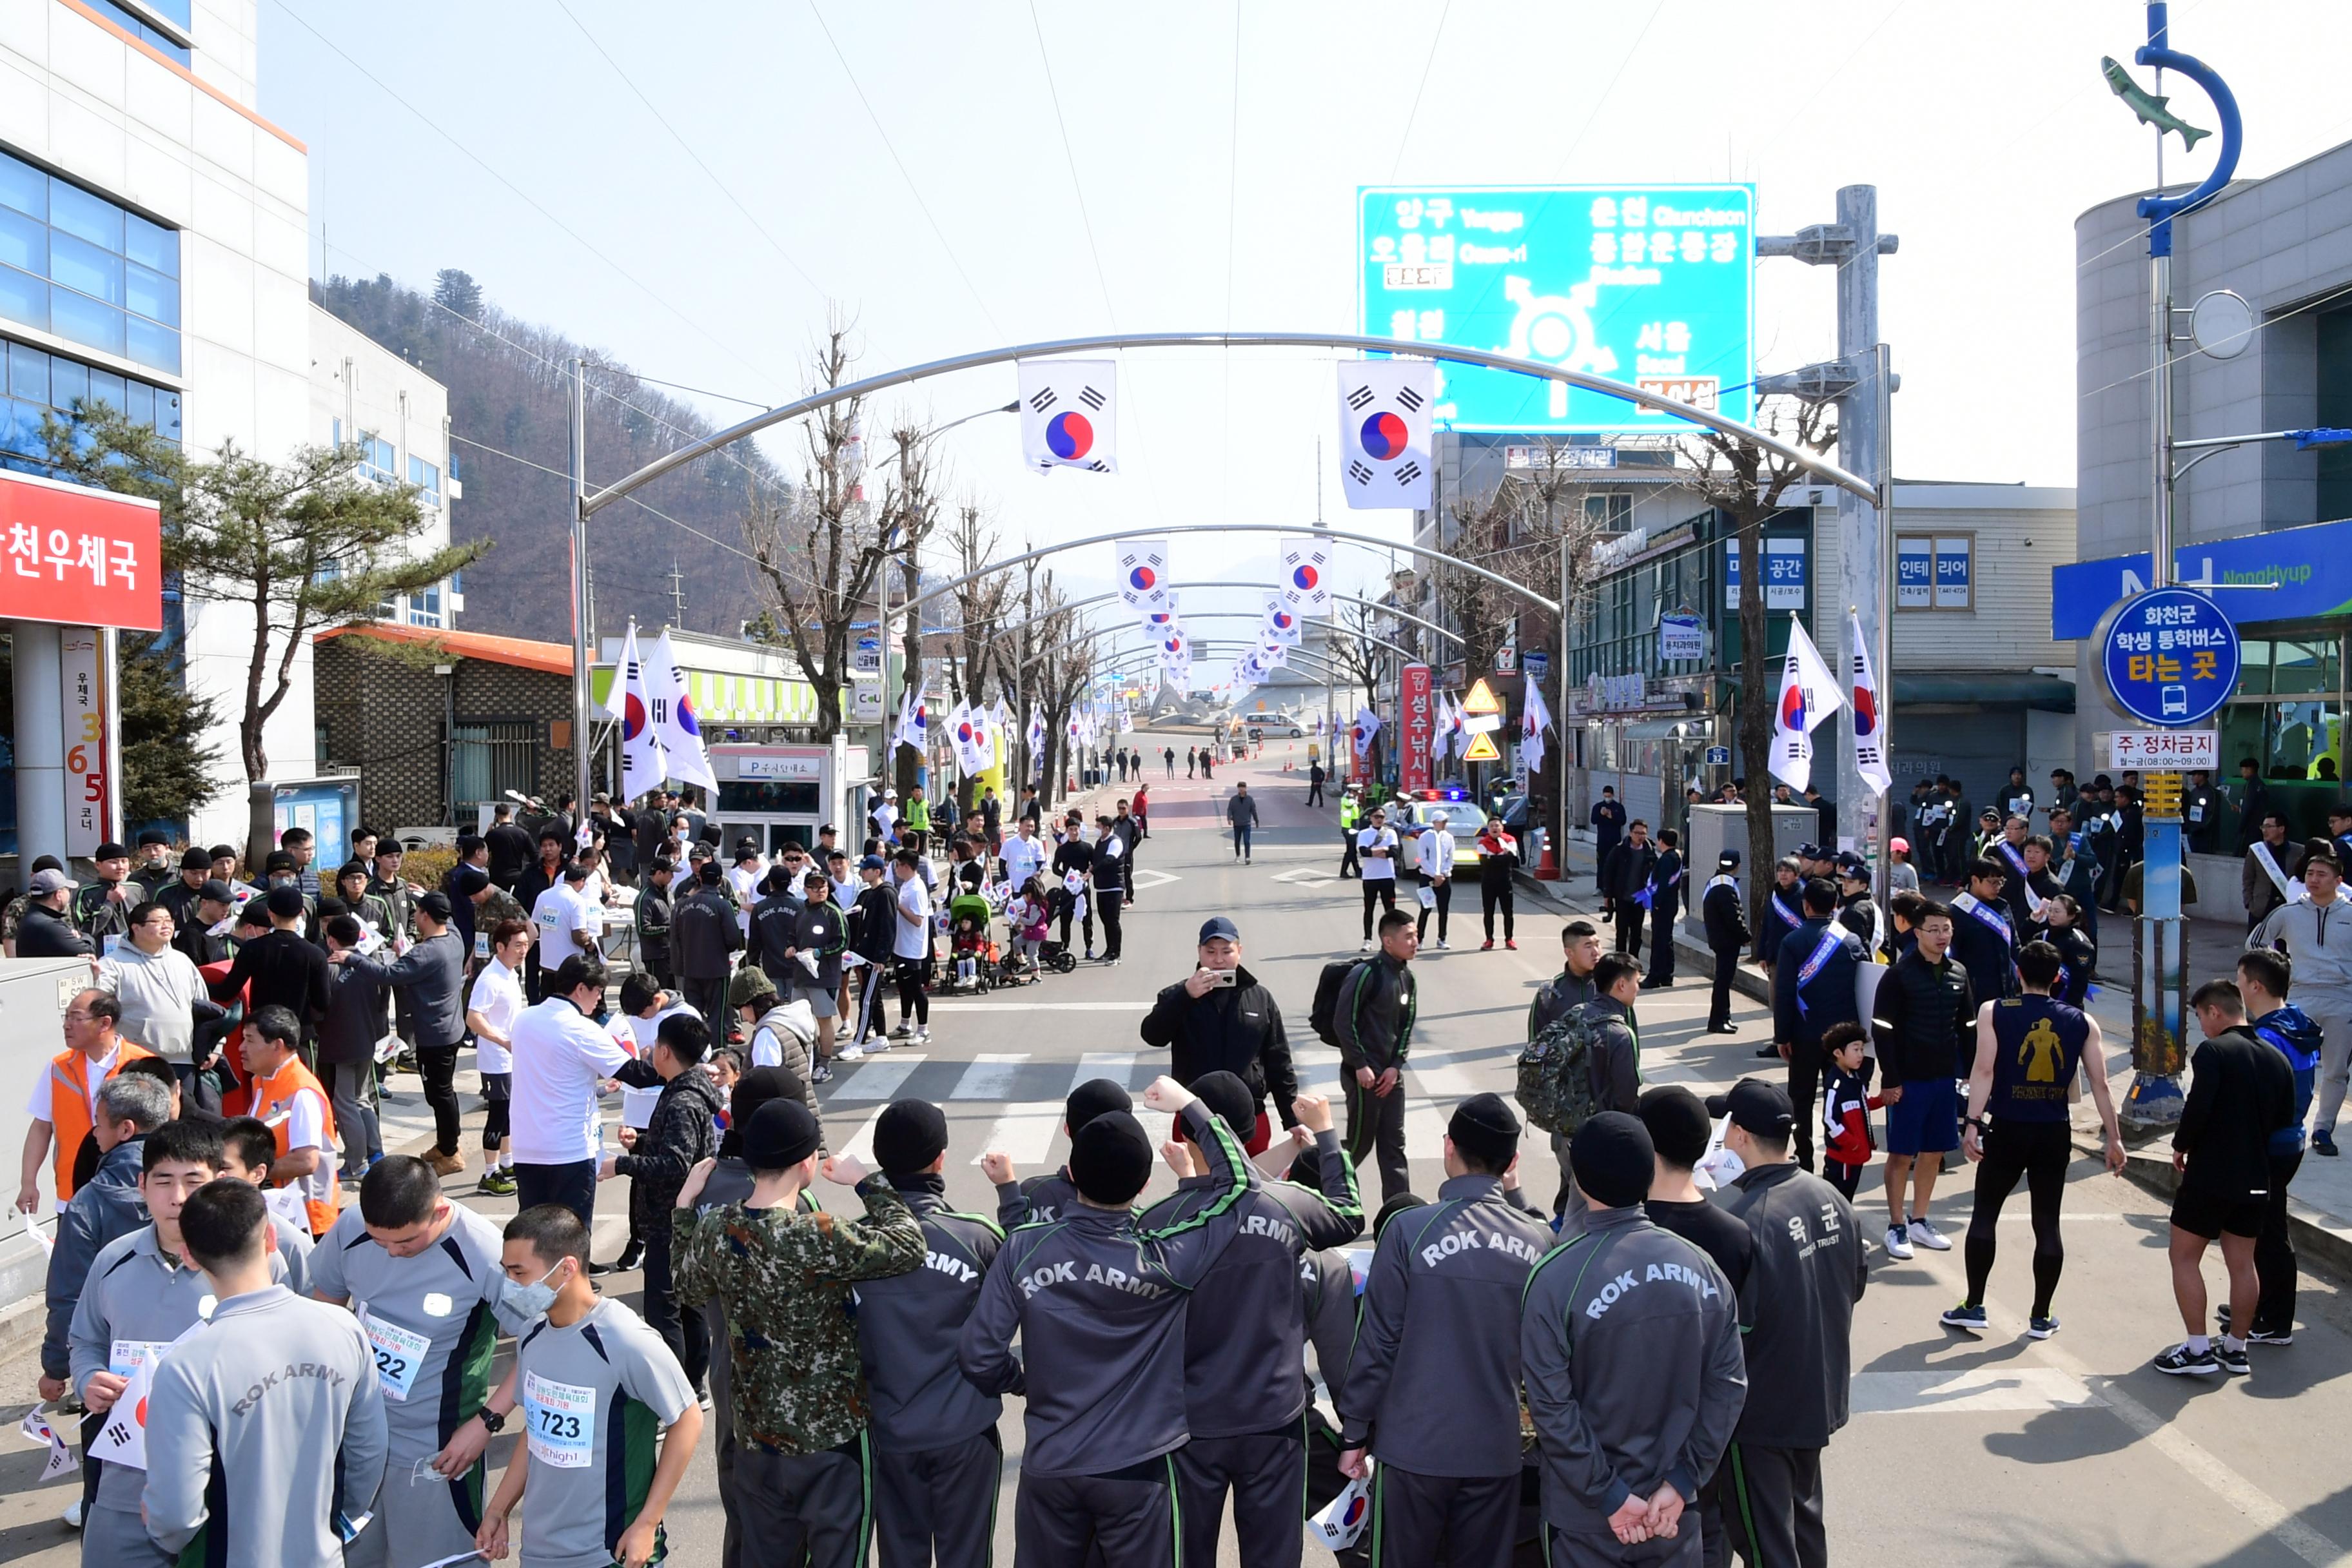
(438, 723)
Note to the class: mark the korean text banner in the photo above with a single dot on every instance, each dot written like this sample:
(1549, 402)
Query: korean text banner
(1652, 285)
(80, 556)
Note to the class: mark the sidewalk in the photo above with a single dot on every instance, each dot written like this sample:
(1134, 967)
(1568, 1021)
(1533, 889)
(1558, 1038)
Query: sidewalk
(2319, 1206)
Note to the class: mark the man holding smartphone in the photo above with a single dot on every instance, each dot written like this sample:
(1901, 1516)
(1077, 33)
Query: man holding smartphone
(1220, 1020)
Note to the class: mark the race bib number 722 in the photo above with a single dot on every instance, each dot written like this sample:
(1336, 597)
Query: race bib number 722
(562, 1428)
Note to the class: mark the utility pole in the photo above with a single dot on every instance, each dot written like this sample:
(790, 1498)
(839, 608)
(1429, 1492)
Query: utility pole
(677, 594)
(1858, 382)
(580, 602)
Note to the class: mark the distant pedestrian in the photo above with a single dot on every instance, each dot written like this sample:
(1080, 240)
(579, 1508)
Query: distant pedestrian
(1373, 1022)
(1242, 813)
(2322, 960)
(1725, 914)
(1625, 884)
(1169, 752)
(1813, 989)
(1608, 819)
(1314, 784)
(1499, 861)
(1433, 862)
(1192, 759)
(1376, 849)
(1666, 899)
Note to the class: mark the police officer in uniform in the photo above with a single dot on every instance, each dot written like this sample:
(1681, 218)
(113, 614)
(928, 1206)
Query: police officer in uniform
(1244, 1399)
(1099, 1308)
(1432, 1388)
(1634, 1374)
(1725, 914)
(1796, 1322)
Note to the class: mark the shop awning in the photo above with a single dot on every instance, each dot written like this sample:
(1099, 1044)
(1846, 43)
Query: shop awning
(2046, 693)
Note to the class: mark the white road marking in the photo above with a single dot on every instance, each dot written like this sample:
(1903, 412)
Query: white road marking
(1149, 876)
(1442, 1081)
(1973, 1390)
(1025, 1131)
(1424, 1129)
(990, 1077)
(1310, 877)
(878, 1077)
(1117, 1065)
(861, 1143)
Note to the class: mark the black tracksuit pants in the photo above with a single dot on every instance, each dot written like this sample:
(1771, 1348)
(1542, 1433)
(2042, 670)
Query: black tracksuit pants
(1348, 865)
(1629, 916)
(1444, 908)
(1376, 1125)
(1493, 898)
(1267, 1472)
(1772, 1508)
(687, 1333)
(1804, 1086)
(1109, 900)
(1127, 1516)
(1662, 949)
(1382, 890)
(937, 1505)
(1475, 1518)
(2274, 1251)
(709, 997)
(1601, 1549)
(1718, 1009)
(806, 1509)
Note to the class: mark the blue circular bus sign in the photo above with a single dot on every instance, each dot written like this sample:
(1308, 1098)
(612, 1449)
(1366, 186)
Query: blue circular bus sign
(2171, 658)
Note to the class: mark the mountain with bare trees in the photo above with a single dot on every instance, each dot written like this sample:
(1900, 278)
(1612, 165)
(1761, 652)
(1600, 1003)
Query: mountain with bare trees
(510, 443)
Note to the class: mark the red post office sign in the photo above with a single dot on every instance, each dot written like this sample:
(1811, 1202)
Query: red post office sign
(80, 556)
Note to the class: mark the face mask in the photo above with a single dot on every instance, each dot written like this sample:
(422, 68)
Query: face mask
(534, 1300)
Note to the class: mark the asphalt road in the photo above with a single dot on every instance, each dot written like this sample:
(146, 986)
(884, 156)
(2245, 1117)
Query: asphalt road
(1960, 1451)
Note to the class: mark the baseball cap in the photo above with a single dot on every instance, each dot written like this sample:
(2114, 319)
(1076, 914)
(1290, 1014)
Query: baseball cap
(1217, 928)
(1761, 1107)
(47, 883)
(218, 891)
(1809, 852)
(1899, 845)
(872, 863)
(1851, 865)
(1728, 857)
(435, 904)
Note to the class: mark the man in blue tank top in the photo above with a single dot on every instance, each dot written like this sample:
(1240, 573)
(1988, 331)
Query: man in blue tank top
(2029, 1048)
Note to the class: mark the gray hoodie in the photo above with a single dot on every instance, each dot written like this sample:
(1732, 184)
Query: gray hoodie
(2318, 940)
(1630, 1336)
(274, 1402)
(1433, 1383)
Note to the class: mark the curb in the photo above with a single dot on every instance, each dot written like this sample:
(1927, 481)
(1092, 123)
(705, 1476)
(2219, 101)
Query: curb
(2317, 1237)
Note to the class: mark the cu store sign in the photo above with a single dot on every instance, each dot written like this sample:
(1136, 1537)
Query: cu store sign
(80, 557)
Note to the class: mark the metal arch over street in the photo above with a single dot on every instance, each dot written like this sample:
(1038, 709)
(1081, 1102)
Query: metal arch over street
(1813, 463)
(1237, 642)
(1297, 530)
(1179, 587)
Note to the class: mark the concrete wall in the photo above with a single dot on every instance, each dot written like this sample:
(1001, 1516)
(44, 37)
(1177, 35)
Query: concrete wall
(386, 719)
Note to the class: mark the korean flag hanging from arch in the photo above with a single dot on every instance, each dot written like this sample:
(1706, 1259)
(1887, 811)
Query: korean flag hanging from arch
(1069, 414)
(1384, 431)
(1143, 578)
(1307, 573)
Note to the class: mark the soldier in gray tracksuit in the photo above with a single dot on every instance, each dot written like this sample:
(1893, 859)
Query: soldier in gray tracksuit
(937, 1457)
(1630, 1337)
(1244, 1399)
(1100, 1307)
(1433, 1386)
(1036, 1200)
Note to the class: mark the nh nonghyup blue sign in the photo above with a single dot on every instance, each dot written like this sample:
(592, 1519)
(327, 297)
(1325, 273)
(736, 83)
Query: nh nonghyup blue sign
(1652, 285)
(2311, 566)
(2171, 658)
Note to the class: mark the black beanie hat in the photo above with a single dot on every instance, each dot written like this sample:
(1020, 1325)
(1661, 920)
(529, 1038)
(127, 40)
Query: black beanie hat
(1393, 1208)
(908, 1135)
(1110, 1158)
(1611, 1157)
(753, 1091)
(1678, 1125)
(1229, 1099)
(781, 1135)
(1484, 1128)
(1092, 1099)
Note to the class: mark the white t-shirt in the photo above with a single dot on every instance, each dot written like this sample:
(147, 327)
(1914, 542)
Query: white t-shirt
(1022, 858)
(306, 1128)
(645, 1030)
(498, 998)
(560, 1057)
(885, 817)
(743, 882)
(1376, 868)
(913, 939)
(39, 1107)
(553, 914)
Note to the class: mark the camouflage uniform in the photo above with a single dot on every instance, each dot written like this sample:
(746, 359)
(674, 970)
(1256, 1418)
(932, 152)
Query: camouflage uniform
(13, 915)
(785, 1278)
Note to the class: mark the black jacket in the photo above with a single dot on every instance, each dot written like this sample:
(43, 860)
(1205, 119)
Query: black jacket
(45, 933)
(1630, 1338)
(1726, 916)
(1796, 1311)
(1628, 869)
(1433, 1383)
(702, 934)
(1036, 1200)
(1614, 1062)
(1242, 1359)
(821, 930)
(1099, 1306)
(681, 1133)
(1375, 1013)
(775, 932)
(1234, 1028)
(1828, 997)
(653, 916)
(907, 1327)
(355, 1018)
(1989, 958)
(511, 849)
(1924, 1021)
(2241, 1090)
(1784, 910)
(871, 923)
(1558, 997)
(284, 970)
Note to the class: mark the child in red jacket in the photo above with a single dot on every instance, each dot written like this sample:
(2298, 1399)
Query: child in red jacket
(1846, 1105)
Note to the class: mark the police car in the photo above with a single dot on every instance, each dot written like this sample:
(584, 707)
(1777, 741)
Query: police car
(1462, 819)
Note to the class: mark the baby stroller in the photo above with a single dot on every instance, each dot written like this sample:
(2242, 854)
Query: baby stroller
(1023, 962)
(976, 958)
(1056, 956)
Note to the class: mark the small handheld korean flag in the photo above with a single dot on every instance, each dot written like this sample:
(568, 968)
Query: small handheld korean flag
(1069, 413)
(1809, 694)
(1869, 737)
(1307, 573)
(1384, 431)
(1143, 577)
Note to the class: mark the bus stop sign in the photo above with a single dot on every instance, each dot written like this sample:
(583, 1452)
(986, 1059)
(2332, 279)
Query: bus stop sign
(2171, 658)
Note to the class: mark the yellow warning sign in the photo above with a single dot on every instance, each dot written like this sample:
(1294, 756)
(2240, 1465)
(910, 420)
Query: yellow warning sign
(1480, 700)
(1482, 749)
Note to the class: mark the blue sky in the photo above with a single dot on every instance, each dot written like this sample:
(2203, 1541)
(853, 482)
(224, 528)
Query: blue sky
(904, 166)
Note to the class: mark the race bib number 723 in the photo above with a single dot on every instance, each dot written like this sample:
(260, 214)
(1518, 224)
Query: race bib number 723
(562, 1428)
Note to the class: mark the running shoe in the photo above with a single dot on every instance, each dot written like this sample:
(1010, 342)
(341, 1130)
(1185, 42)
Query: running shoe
(874, 1043)
(2230, 1359)
(631, 1256)
(923, 1034)
(2182, 1362)
(1898, 1244)
(1925, 1234)
(850, 1054)
(1443, 944)
(1509, 943)
(903, 1032)
(2255, 1336)
(2323, 1141)
(1964, 1316)
(821, 1073)
(497, 1183)
(1488, 945)
(2041, 1327)
(72, 1515)
(1370, 946)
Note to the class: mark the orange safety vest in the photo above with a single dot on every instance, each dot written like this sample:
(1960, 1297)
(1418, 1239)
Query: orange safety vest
(69, 1105)
(269, 1096)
